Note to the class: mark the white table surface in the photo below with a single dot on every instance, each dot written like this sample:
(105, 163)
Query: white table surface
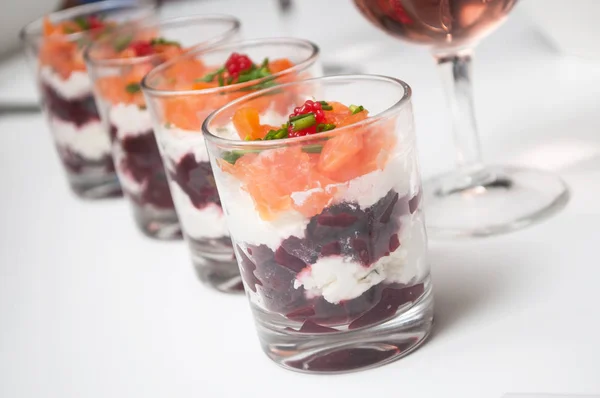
(89, 308)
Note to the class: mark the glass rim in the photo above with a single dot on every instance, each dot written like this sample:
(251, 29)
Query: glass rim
(155, 92)
(234, 27)
(33, 30)
(272, 144)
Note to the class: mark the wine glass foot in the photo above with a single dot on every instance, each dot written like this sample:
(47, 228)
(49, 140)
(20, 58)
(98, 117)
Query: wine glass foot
(491, 201)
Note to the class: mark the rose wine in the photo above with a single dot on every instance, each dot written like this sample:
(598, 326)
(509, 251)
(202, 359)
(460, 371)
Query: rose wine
(444, 25)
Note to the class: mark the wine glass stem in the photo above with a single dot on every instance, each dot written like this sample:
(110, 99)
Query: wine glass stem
(456, 78)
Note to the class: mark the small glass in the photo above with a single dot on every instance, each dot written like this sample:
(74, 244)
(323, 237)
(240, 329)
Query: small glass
(179, 101)
(328, 228)
(117, 72)
(66, 91)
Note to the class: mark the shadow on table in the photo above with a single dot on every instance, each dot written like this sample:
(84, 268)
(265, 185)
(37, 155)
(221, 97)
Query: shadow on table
(463, 285)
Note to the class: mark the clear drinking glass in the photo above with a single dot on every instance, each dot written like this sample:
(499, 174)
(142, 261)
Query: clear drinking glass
(475, 199)
(117, 65)
(66, 90)
(179, 100)
(328, 228)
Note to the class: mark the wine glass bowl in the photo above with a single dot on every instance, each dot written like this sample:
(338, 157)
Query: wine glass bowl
(475, 199)
(445, 25)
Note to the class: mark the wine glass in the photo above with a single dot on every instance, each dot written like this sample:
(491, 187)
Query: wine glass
(475, 199)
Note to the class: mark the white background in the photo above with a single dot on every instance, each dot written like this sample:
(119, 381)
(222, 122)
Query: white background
(91, 309)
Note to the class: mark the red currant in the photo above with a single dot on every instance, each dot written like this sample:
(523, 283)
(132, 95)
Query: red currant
(142, 48)
(237, 63)
(94, 22)
(309, 106)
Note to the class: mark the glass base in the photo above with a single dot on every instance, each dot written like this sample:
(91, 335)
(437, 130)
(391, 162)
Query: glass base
(95, 185)
(491, 201)
(347, 351)
(215, 264)
(157, 223)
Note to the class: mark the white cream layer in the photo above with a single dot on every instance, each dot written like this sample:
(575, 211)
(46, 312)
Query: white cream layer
(205, 223)
(90, 141)
(244, 221)
(129, 120)
(78, 84)
(176, 143)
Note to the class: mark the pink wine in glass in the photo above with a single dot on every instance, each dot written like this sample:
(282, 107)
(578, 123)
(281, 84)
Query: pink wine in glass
(442, 24)
(475, 199)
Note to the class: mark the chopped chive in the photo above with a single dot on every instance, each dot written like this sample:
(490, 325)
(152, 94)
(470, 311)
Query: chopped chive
(168, 125)
(233, 156)
(325, 106)
(298, 117)
(68, 30)
(277, 134)
(265, 63)
(316, 148)
(132, 88)
(325, 127)
(355, 109)
(161, 40)
(308, 121)
(221, 80)
(121, 43)
(82, 22)
(210, 76)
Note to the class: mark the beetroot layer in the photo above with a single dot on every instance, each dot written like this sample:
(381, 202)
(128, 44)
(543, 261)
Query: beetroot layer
(359, 235)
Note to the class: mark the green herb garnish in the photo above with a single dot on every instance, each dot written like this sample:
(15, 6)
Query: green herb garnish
(210, 76)
(316, 148)
(325, 106)
(233, 156)
(82, 22)
(277, 134)
(293, 118)
(162, 41)
(121, 43)
(305, 122)
(356, 108)
(325, 127)
(221, 80)
(133, 88)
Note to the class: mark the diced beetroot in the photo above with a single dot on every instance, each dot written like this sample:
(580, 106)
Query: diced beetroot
(344, 360)
(394, 243)
(387, 214)
(197, 181)
(391, 300)
(282, 257)
(331, 249)
(343, 220)
(413, 203)
(78, 111)
(144, 164)
(311, 327)
(247, 270)
(301, 314)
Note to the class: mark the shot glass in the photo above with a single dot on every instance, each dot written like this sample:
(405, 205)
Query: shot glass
(55, 46)
(327, 224)
(180, 94)
(117, 65)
